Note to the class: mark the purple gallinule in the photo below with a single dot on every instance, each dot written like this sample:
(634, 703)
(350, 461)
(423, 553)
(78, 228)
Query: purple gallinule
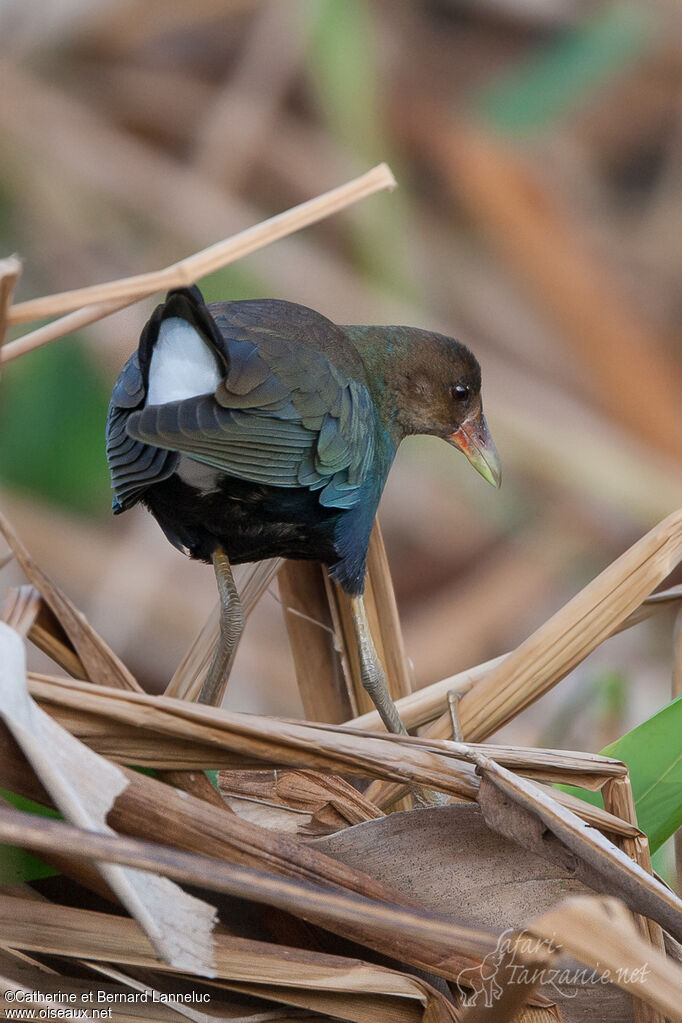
(261, 429)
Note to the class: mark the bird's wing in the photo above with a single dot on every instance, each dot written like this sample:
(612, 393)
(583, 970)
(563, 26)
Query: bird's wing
(284, 415)
(133, 464)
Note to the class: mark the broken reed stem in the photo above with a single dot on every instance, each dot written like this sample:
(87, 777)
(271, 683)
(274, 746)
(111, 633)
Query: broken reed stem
(614, 600)
(85, 305)
(10, 268)
(618, 799)
(314, 641)
(617, 795)
(60, 328)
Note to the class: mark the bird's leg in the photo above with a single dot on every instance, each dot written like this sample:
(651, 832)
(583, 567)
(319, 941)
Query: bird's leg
(371, 670)
(374, 681)
(231, 627)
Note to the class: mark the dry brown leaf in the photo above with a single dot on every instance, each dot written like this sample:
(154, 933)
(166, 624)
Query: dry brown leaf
(296, 744)
(361, 753)
(156, 731)
(528, 815)
(451, 861)
(408, 933)
(590, 770)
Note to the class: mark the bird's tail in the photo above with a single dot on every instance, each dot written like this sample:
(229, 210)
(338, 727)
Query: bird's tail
(185, 304)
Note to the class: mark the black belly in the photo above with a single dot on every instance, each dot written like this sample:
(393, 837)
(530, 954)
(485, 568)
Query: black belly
(249, 521)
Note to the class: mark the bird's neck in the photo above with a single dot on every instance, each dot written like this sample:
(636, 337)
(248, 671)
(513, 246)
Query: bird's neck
(387, 354)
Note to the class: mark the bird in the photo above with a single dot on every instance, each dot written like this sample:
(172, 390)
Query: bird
(261, 429)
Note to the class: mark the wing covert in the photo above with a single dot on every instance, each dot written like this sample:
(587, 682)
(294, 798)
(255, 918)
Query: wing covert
(283, 416)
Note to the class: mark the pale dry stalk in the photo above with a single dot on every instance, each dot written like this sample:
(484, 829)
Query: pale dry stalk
(85, 305)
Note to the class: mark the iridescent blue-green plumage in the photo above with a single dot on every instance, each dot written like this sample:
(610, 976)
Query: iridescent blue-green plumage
(287, 452)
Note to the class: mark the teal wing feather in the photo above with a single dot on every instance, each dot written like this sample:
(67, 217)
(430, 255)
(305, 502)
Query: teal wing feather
(284, 416)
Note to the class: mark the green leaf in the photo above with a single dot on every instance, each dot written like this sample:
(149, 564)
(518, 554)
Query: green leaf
(17, 864)
(653, 753)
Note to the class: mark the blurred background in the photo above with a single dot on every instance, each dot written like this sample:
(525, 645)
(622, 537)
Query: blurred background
(538, 148)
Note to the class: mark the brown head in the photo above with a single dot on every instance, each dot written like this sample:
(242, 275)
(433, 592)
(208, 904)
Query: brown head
(423, 382)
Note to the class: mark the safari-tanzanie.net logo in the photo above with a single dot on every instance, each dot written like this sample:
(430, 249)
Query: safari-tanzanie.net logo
(511, 963)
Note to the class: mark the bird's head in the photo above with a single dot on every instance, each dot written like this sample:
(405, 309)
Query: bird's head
(431, 384)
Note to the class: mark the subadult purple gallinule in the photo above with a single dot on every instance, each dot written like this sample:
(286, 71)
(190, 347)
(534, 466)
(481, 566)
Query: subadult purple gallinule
(261, 429)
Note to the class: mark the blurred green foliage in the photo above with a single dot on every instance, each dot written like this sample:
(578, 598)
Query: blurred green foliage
(538, 91)
(52, 419)
(341, 59)
(342, 66)
(232, 283)
(604, 702)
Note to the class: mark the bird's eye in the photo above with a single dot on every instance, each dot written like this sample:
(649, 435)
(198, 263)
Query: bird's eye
(460, 392)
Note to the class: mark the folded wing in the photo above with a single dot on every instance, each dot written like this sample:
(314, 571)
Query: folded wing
(133, 465)
(283, 416)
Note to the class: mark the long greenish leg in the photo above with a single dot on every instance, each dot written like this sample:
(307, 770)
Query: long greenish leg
(374, 680)
(372, 671)
(231, 628)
